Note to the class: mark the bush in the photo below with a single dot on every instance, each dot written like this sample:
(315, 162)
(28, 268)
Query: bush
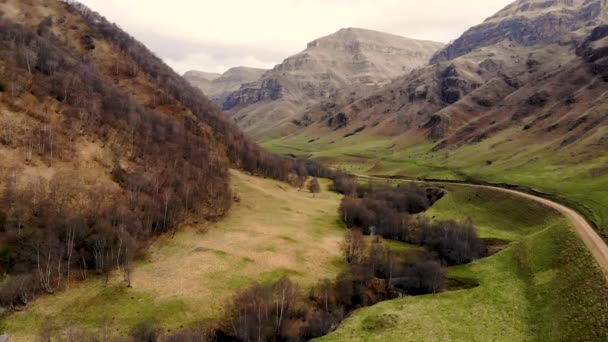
(455, 243)
(3, 87)
(387, 212)
(148, 331)
(7, 260)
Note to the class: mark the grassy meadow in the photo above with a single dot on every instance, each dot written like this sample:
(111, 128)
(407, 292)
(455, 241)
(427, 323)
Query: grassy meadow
(543, 287)
(274, 231)
(578, 176)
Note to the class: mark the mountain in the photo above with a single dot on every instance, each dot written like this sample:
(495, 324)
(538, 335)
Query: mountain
(219, 86)
(528, 23)
(523, 69)
(349, 63)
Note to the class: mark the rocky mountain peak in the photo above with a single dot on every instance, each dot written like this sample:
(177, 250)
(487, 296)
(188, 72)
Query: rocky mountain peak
(529, 22)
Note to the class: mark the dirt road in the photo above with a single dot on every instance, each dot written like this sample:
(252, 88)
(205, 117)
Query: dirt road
(590, 237)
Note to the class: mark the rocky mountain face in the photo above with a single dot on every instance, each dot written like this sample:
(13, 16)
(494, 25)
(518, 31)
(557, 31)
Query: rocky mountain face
(219, 86)
(532, 70)
(528, 23)
(349, 63)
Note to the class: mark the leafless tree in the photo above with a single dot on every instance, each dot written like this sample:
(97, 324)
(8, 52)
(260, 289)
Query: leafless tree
(314, 187)
(354, 246)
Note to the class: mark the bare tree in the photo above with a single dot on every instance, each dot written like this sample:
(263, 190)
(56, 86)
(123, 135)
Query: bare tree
(314, 187)
(354, 246)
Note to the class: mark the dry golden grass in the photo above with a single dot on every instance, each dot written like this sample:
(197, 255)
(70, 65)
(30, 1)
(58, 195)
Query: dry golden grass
(274, 231)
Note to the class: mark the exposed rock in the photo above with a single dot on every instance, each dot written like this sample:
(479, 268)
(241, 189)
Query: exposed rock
(341, 67)
(489, 65)
(269, 90)
(437, 126)
(338, 121)
(526, 22)
(219, 86)
(538, 99)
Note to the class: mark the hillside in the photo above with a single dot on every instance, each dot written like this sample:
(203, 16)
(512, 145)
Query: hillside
(219, 86)
(103, 148)
(543, 287)
(191, 276)
(346, 64)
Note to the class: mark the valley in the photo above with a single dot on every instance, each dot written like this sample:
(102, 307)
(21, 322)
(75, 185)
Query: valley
(370, 187)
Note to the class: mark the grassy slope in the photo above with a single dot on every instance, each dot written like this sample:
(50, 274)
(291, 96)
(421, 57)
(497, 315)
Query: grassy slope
(577, 174)
(274, 231)
(545, 286)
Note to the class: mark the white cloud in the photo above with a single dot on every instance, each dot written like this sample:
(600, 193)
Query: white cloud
(215, 35)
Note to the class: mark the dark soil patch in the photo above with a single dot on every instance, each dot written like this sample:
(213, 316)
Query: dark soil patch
(495, 245)
(358, 130)
(457, 283)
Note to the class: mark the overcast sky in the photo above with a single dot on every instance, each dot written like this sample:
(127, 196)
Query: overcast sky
(214, 35)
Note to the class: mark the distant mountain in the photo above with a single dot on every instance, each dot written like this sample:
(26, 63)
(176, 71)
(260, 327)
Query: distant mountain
(346, 64)
(219, 86)
(535, 70)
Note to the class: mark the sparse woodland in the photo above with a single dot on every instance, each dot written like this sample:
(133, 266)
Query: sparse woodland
(169, 154)
(282, 311)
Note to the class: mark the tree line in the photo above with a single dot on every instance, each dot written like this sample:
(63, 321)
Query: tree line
(388, 212)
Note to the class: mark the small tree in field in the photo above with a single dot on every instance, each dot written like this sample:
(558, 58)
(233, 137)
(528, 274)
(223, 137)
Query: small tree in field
(314, 187)
(354, 247)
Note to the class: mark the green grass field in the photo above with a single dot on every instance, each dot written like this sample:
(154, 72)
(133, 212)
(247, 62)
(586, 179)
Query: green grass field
(544, 287)
(578, 176)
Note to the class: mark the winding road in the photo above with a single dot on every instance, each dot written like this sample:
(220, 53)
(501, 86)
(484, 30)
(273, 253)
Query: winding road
(590, 237)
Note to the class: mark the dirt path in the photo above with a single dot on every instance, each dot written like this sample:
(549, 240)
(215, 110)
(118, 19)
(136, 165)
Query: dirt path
(590, 237)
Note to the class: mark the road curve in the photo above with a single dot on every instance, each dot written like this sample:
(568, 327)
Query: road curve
(595, 244)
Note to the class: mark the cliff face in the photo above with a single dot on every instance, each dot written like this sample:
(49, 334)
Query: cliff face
(528, 22)
(349, 61)
(219, 86)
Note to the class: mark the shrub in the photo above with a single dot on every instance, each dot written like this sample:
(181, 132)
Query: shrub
(7, 260)
(148, 331)
(456, 243)
(3, 87)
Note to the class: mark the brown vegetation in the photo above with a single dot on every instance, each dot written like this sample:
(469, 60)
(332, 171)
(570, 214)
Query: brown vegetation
(168, 150)
(387, 212)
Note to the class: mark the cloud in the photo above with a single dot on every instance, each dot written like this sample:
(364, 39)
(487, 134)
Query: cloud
(215, 35)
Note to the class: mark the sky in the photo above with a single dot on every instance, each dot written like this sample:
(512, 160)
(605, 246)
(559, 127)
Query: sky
(215, 35)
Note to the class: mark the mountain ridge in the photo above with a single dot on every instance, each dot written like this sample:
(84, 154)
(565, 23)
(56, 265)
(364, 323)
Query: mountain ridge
(350, 62)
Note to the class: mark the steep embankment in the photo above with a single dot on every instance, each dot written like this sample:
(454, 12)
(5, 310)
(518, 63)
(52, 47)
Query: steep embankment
(592, 240)
(544, 286)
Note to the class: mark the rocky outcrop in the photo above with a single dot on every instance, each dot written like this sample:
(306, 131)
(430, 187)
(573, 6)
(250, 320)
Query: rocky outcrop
(453, 87)
(527, 22)
(269, 90)
(219, 86)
